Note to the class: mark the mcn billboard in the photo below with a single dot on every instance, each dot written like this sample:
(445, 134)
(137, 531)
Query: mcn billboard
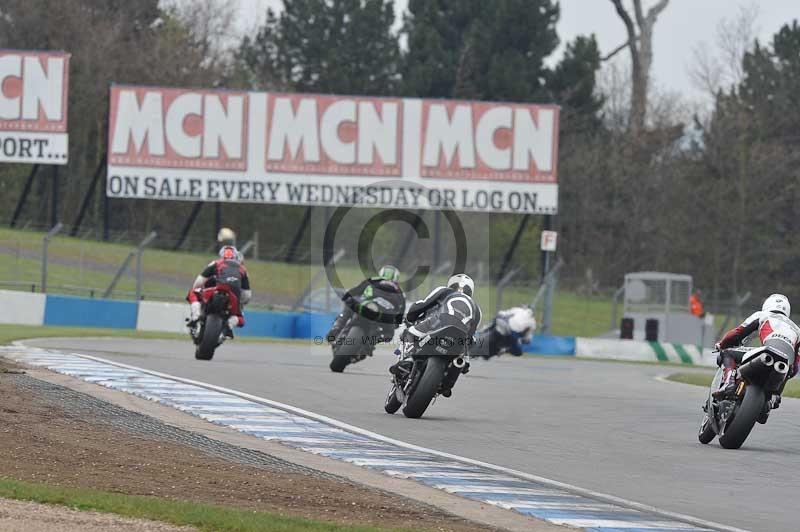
(33, 107)
(210, 145)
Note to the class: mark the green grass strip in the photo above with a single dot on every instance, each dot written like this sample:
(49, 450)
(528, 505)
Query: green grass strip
(201, 516)
(659, 350)
(704, 379)
(685, 357)
(10, 333)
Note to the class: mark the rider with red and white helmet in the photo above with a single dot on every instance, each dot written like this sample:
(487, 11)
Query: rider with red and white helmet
(775, 329)
(228, 270)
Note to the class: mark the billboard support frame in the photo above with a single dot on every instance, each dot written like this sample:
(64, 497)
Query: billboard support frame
(87, 198)
(189, 223)
(55, 193)
(298, 236)
(24, 196)
(513, 247)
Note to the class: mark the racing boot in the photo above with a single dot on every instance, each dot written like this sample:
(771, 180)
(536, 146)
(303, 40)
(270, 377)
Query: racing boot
(194, 314)
(233, 321)
(764, 415)
(402, 368)
(727, 388)
(775, 403)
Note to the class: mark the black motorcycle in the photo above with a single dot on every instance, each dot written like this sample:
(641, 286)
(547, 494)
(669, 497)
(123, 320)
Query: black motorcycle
(431, 365)
(372, 322)
(209, 331)
(731, 413)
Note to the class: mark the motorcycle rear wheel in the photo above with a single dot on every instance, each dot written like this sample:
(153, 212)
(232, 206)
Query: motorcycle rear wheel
(427, 388)
(350, 347)
(739, 428)
(210, 340)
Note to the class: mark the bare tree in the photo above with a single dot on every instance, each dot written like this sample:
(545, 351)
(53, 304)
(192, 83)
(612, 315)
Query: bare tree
(720, 67)
(640, 44)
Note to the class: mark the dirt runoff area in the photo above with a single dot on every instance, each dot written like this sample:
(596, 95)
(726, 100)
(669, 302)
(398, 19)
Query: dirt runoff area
(44, 440)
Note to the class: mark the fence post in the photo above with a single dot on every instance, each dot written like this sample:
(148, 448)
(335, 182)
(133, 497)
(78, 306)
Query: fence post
(45, 245)
(501, 286)
(139, 253)
(333, 260)
(615, 307)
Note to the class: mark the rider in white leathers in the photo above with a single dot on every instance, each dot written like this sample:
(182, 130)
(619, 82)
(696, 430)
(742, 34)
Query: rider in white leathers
(775, 330)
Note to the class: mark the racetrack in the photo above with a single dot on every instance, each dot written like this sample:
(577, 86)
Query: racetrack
(608, 427)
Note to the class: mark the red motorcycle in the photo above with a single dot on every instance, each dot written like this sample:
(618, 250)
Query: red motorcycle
(219, 303)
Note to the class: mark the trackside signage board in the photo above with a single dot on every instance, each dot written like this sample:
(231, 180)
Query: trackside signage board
(33, 106)
(211, 145)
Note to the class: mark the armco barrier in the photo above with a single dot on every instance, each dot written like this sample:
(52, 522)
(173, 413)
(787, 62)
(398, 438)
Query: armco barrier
(81, 312)
(274, 324)
(21, 308)
(37, 309)
(309, 325)
(551, 345)
(634, 350)
(162, 317)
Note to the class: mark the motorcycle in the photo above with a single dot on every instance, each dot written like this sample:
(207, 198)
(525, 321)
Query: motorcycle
(504, 335)
(209, 331)
(430, 366)
(732, 415)
(364, 330)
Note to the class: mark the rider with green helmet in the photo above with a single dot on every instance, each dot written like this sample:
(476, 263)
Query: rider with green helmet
(386, 285)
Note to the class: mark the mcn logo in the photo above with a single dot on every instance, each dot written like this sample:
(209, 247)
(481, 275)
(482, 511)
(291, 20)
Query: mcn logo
(333, 135)
(463, 140)
(177, 128)
(33, 91)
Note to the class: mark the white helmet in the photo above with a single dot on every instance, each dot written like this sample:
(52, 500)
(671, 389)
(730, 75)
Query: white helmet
(462, 282)
(226, 237)
(777, 303)
(521, 319)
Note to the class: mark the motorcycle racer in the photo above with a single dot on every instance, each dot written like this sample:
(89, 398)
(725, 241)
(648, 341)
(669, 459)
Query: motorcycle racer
(422, 316)
(511, 327)
(775, 329)
(385, 284)
(227, 270)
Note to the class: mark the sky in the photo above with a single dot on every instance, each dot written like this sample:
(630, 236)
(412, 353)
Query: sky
(682, 27)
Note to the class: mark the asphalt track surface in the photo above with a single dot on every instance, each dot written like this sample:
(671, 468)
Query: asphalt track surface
(604, 426)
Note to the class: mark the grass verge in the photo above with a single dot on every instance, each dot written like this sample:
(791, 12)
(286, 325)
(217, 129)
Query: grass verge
(91, 264)
(10, 333)
(201, 516)
(704, 379)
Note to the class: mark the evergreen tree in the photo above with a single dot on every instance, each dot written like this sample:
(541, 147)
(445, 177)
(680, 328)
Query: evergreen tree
(479, 50)
(572, 84)
(326, 46)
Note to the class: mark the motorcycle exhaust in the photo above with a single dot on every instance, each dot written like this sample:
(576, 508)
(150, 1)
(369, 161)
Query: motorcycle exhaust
(756, 368)
(459, 362)
(781, 367)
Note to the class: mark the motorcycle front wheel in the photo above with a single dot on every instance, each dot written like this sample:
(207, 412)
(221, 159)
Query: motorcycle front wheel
(349, 348)
(745, 417)
(427, 387)
(392, 404)
(706, 432)
(210, 339)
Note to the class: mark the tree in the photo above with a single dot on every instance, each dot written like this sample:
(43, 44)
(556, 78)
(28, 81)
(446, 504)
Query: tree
(573, 84)
(640, 44)
(479, 50)
(110, 41)
(342, 46)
